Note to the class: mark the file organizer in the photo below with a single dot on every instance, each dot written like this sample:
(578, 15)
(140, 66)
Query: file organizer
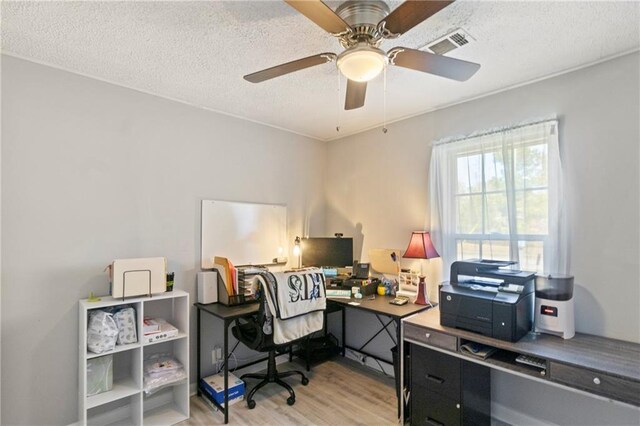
(233, 299)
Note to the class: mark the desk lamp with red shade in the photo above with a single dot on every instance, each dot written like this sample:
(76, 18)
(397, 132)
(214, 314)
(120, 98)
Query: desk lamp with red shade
(421, 247)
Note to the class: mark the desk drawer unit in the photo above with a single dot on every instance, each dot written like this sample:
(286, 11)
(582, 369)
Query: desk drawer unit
(433, 409)
(429, 337)
(602, 384)
(446, 390)
(436, 372)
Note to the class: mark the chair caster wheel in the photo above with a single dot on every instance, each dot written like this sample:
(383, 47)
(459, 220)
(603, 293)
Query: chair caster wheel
(305, 381)
(291, 400)
(252, 404)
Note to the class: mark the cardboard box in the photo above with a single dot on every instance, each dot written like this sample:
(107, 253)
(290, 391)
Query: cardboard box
(214, 387)
(231, 402)
(165, 331)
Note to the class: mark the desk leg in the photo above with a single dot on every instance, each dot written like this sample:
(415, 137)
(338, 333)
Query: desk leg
(226, 372)
(344, 334)
(399, 353)
(198, 355)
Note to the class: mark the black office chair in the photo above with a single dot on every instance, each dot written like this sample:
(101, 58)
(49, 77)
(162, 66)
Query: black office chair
(250, 332)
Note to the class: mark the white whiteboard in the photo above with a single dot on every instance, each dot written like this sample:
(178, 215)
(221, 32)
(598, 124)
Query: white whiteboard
(245, 233)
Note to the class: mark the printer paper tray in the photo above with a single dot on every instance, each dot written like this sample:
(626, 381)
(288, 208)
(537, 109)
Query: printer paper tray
(470, 324)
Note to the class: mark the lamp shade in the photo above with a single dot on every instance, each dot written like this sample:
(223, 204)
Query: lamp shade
(420, 247)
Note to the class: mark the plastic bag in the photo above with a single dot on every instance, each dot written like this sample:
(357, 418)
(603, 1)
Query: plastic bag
(99, 374)
(126, 321)
(102, 332)
(161, 370)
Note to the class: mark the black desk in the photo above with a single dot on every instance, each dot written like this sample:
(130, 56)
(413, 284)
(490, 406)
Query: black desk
(378, 306)
(228, 314)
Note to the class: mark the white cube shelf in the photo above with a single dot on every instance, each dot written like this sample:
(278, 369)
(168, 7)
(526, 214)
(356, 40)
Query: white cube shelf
(126, 402)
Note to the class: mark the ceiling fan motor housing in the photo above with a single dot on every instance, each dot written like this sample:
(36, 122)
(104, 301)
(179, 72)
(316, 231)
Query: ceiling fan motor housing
(361, 26)
(363, 17)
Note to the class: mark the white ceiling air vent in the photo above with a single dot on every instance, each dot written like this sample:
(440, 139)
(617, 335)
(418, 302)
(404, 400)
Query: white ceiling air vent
(449, 42)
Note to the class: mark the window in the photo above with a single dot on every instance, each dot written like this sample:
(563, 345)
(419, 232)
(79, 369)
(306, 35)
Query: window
(496, 196)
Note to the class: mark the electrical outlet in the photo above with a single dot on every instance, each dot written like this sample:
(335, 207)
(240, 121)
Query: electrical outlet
(218, 353)
(213, 357)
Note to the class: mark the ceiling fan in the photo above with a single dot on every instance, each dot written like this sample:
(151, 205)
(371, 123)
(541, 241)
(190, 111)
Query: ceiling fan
(361, 26)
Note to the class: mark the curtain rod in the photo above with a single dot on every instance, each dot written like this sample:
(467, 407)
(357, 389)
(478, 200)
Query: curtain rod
(445, 141)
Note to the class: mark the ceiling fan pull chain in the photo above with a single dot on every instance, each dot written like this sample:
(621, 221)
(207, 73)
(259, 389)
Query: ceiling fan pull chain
(384, 101)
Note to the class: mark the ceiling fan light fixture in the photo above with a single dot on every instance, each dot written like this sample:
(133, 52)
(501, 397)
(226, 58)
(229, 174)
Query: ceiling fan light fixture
(362, 62)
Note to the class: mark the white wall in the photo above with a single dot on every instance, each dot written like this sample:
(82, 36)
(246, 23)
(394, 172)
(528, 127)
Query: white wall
(92, 172)
(377, 187)
(0, 249)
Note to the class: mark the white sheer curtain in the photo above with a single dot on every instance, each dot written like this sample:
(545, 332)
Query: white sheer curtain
(498, 195)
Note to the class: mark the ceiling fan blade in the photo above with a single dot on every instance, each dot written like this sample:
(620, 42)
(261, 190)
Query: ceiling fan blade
(290, 67)
(356, 92)
(321, 14)
(408, 15)
(443, 66)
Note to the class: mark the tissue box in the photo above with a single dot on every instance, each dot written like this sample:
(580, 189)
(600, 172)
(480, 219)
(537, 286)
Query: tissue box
(214, 387)
(99, 375)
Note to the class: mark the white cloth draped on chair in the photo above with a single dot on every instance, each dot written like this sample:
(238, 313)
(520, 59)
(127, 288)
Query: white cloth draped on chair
(296, 301)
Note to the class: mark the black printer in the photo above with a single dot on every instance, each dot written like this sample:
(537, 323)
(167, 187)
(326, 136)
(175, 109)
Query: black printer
(484, 297)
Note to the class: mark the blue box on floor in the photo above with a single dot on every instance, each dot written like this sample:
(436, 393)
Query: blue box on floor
(214, 387)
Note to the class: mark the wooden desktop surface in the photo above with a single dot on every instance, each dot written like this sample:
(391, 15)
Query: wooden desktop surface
(228, 312)
(380, 305)
(616, 357)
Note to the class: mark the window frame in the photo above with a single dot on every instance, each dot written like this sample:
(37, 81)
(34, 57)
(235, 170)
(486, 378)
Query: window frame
(483, 237)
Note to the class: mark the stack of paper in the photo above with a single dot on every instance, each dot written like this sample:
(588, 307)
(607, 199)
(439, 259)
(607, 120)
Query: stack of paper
(229, 274)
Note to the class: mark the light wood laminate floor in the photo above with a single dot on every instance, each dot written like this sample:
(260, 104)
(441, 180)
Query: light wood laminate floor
(340, 392)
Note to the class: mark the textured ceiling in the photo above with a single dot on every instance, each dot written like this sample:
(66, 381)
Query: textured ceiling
(197, 52)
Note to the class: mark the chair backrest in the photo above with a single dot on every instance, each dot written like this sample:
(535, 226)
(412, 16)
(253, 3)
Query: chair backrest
(291, 307)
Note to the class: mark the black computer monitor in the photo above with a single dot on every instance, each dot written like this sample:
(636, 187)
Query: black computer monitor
(333, 252)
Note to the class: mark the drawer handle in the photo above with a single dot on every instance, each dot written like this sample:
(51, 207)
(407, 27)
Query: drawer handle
(434, 422)
(596, 380)
(435, 379)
